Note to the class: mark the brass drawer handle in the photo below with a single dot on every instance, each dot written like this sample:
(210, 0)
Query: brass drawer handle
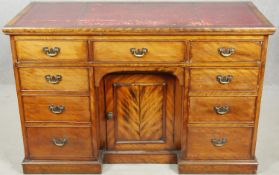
(221, 110)
(224, 79)
(51, 52)
(139, 52)
(226, 52)
(60, 142)
(53, 79)
(219, 142)
(56, 109)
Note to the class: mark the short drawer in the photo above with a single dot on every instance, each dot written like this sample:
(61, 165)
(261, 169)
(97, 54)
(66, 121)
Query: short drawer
(59, 79)
(222, 109)
(227, 79)
(219, 143)
(139, 51)
(229, 51)
(56, 108)
(52, 50)
(60, 143)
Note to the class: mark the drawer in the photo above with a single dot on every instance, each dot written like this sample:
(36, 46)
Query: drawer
(60, 143)
(139, 51)
(52, 50)
(228, 51)
(56, 109)
(219, 143)
(59, 79)
(230, 79)
(222, 109)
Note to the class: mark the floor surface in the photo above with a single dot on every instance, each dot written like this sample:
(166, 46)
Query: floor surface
(11, 146)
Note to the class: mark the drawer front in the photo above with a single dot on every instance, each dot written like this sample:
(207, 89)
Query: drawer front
(71, 79)
(219, 143)
(143, 51)
(224, 79)
(51, 50)
(222, 109)
(225, 51)
(56, 109)
(60, 143)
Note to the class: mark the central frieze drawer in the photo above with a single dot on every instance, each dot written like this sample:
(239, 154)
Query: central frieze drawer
(219, 143)
(222, 109)
(56, 108)
(229, 51)
(60, 79)
(52, 50)
(227, 79)
(139, 51)
(60, 143)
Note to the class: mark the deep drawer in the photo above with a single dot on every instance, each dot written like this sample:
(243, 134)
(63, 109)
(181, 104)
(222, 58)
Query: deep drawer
(227, 79)
(222, 109)
(56, 108)
(219, 143)
(71, 79)
(139, 51)
(52, 50)
(229, 51)
(60, 143)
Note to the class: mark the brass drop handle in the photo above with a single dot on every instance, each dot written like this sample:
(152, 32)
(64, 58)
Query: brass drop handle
(109, 115)
(219, 142)
(224, 79)
(56, 109)
(60, 142)
(51, 52)
(53, 79)
(221, 110)
(226, 52)
(139, 52)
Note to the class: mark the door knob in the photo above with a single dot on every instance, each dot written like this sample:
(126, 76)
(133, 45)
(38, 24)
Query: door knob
(109, 115)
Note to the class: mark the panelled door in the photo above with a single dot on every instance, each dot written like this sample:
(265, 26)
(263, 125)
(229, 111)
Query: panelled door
(140, 111)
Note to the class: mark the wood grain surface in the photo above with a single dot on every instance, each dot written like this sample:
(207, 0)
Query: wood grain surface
(77, 147)
(238, 144)
(157, 51)
(241, 109)
(73, 79)
(203, 51)
(205, 79)
(142, 105)
(76, 109)
(217, 167)
(70, 50)
(50, 167)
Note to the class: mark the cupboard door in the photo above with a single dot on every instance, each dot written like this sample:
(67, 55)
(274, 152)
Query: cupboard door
(140, 112)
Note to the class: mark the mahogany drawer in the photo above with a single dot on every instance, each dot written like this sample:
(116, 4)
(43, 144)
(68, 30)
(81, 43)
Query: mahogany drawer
(59, 79)
(56, 108)
(139, 51)
(50, 143)
(219, 143)
(226, 79)
(52, 50)
(225, 51)
(222, 109)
